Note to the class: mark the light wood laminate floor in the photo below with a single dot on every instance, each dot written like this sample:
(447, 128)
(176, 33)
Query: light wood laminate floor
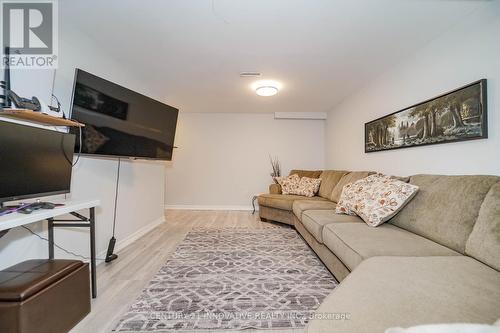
(120, 282)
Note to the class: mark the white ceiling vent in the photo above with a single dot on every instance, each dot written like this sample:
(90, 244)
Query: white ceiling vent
(250, 74)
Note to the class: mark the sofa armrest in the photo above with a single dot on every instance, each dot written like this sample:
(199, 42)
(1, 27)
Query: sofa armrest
(274, 189)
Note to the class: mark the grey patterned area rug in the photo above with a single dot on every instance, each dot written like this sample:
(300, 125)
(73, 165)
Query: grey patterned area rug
(232, 279)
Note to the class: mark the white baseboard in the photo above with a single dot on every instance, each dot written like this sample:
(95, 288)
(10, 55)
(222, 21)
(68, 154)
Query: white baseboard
(210, 207)
(123, 243)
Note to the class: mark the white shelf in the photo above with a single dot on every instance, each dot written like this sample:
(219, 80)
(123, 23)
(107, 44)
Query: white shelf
(13, 220)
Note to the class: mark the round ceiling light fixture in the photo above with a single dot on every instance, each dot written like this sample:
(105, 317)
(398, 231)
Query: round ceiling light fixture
(266, 88)
(266, 91)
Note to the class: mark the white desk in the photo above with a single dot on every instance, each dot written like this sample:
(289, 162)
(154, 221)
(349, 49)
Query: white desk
(70, 207)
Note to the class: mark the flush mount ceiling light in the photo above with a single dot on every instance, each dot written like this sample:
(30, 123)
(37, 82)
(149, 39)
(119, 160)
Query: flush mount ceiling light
(266, 91)
(266, 88)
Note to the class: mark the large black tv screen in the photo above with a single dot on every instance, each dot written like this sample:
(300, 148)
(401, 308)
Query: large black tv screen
(121, 122)
(34, 162)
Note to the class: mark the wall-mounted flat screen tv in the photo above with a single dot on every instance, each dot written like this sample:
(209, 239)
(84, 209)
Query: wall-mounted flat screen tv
(34, 162)
(121, 122)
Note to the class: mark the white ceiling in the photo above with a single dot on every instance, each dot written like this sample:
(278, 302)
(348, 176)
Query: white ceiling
(320, 50)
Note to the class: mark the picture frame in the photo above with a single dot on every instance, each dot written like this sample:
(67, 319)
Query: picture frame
(457, 115)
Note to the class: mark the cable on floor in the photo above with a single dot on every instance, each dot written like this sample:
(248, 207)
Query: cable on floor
(59, 247)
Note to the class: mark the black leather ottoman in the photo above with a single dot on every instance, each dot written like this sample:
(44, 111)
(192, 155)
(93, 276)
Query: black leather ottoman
(44, 296)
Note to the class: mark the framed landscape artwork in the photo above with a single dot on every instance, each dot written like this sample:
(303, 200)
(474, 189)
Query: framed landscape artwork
(458, 115)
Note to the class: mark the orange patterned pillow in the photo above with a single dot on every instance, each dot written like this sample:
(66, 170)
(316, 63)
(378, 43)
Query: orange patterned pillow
(288, 184)
(293, 184)
(376, 198)
(308, 186)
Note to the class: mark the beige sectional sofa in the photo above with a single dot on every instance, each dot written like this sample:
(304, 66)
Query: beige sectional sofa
(437, 261)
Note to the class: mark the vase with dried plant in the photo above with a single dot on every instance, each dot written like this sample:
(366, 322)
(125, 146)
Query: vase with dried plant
(275, 164)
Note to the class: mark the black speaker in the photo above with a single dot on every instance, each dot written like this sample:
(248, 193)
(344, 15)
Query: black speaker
(110, 256)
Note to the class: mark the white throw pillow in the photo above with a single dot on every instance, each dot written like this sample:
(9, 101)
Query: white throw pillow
(376, 198)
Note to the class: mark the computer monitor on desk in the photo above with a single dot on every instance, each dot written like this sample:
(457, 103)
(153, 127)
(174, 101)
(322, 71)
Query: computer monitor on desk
(34, 162)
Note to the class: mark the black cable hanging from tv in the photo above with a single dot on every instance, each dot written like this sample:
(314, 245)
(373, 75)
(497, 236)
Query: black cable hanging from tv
(110, 256)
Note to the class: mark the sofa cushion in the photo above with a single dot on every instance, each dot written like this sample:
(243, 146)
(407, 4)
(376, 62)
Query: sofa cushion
(484, 241)
(354, 242)
(299, 206)
(329, 179)
(347, 179)
(315, 220)
(404, 179)
(282, 201)
(445, 208)
(386, 292)
(306, 173)
(334, 265)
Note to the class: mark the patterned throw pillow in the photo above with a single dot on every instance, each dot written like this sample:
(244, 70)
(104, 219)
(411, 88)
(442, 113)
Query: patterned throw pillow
(288, 184)
(308, 186)
(351, 193)
(293, 184)
(376, 198)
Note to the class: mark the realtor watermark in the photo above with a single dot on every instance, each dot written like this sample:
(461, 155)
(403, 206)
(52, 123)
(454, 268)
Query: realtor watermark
(29, 34)
(245, 316)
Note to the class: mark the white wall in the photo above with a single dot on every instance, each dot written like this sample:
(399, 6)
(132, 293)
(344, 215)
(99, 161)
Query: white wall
(223, 159)
(141, 189)
(466, 53)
